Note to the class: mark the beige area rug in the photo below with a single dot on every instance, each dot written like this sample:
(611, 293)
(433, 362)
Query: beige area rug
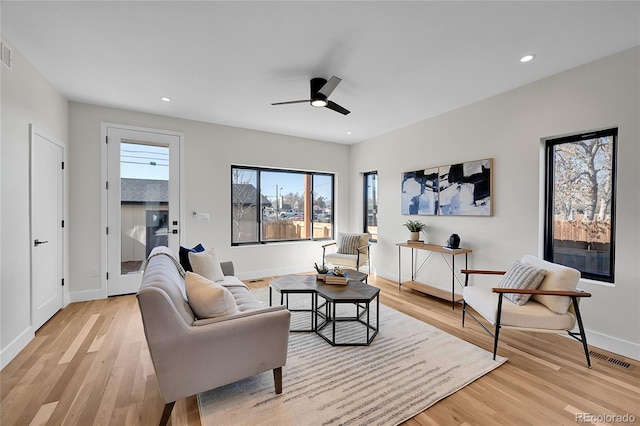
(408, 367)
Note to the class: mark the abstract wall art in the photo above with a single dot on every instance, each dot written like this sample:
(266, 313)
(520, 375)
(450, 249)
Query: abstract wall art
(462, 189)
(420, 192)
(465, 189)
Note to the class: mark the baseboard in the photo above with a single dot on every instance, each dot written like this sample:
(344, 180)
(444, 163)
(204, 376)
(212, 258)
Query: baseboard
(19, 343)
(613, 344)
(383, 274)
(85, 296)
(272, 272)
(281, 271)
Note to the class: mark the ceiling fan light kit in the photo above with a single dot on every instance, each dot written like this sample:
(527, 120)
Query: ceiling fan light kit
(320, 91)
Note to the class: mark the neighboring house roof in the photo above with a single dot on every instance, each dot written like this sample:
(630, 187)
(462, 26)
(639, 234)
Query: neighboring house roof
(245, 193)
(135, 191)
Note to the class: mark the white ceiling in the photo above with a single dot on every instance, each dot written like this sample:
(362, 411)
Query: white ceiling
(226, 62)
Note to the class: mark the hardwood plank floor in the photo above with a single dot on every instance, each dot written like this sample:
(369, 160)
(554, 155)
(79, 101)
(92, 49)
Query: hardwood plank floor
(89, 365)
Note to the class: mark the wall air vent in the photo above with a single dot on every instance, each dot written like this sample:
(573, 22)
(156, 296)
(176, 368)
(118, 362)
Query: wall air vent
(5, 54)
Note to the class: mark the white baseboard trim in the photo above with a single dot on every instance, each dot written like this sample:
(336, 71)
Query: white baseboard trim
(85, 296)
(383, 274)
(271, 272)
(14, 348)
(613, 344)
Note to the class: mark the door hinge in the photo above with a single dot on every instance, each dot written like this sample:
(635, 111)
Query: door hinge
(106, 139)
(107, 275)
(106, 185)
(63, 165)
(63, 223)
(63, 282)
(107, 230)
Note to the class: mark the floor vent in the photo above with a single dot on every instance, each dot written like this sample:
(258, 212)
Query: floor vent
(615, 361)
(5, 55)
(256, 281)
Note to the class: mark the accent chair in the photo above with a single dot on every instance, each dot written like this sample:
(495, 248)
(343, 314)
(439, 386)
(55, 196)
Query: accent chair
(350, 251)
(534, 295)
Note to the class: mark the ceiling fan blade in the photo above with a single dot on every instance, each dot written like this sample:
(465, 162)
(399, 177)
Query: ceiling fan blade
(334, 106)
(330, 86)
(292, 102)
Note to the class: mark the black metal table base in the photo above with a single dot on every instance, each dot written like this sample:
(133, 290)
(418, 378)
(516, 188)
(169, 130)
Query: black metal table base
(330, 318)
(284, 300)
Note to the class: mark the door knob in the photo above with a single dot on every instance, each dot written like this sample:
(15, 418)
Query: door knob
(37, 242)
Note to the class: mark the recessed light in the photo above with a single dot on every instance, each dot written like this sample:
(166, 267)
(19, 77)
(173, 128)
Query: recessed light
(527, 58)
(164, 98)
(348, 133)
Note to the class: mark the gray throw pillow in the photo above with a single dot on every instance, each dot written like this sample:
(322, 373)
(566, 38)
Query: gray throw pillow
(521, 276)
(348, 243)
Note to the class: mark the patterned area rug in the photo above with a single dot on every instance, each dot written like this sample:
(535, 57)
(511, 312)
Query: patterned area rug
(408, 367)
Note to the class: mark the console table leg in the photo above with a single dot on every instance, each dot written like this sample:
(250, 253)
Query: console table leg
(399, 268)
(453, 282)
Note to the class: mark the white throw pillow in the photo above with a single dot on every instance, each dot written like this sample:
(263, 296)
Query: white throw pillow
(558, 277)
(207, 264)
(207, 298)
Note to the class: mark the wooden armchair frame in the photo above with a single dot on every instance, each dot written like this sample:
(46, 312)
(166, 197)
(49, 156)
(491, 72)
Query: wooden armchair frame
(581, 336)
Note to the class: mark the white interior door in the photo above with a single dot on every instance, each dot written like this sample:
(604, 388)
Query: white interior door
(143, 202)
(47, 204)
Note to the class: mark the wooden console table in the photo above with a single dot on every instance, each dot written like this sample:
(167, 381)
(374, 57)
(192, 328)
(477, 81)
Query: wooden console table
(427, 289)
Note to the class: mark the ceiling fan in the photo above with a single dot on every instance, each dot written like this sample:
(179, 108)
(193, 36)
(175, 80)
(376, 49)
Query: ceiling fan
(320, 91)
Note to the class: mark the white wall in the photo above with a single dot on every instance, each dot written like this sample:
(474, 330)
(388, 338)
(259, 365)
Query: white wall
(27, 98)
(209, 152)
(509, 128)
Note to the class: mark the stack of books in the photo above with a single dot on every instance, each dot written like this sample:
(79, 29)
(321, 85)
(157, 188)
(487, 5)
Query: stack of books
(415, 242)
(330, 278)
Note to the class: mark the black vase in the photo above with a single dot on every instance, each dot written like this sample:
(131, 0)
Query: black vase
(454, 241)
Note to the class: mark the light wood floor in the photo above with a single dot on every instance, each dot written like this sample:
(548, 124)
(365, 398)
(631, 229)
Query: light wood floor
(90, 365)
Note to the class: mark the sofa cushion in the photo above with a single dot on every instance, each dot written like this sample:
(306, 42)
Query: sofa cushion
(207, 298)
(346, 260)
(164, 273)
(557, 277)
(184, 256)
(207, 264)
(521, 276)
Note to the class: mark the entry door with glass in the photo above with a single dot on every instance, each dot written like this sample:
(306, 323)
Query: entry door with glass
(143, 169)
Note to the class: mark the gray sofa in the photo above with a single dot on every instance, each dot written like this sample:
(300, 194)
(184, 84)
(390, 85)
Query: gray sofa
(192, 356)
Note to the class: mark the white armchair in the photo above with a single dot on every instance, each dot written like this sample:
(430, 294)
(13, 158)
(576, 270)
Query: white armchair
(552, 308)
(351, 251)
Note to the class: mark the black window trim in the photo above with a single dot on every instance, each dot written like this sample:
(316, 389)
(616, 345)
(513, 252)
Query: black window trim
(549, 209)
(260, 241)
(365, 213)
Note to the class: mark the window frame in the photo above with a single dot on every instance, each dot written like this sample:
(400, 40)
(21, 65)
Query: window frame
(365, 209)
(548, 240)
(309, 197)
